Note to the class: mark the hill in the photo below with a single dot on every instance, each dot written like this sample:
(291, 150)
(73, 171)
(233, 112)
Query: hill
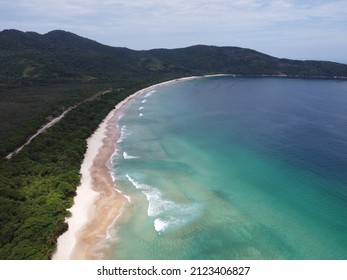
(60, 56)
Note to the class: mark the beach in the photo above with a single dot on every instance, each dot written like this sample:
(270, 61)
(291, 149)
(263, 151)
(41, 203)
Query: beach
(98, 204)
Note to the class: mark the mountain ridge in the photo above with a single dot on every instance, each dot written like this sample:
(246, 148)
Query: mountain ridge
(61, 56)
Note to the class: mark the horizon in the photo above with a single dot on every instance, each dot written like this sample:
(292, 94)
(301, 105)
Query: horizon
(293, 29)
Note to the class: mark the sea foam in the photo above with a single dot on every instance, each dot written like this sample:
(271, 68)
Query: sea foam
(167, 213)
(127, 156)
(123, 134)
(156, 203)
(160, 225)
(150, 93)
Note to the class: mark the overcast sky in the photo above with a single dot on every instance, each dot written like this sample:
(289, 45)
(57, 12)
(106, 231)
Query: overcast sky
(297, 29)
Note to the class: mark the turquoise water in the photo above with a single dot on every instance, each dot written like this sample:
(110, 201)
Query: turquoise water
(234, 168)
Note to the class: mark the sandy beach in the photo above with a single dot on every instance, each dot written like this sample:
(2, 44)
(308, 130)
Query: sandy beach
(97, 204)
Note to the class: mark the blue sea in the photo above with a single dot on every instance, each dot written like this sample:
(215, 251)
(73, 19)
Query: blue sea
(234, 168)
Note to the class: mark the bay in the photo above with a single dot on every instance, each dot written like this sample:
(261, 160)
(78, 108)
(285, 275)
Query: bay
(234, 168)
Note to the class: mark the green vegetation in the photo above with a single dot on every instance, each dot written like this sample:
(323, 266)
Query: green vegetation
(24, 110)
(38, 184)
(40, 75)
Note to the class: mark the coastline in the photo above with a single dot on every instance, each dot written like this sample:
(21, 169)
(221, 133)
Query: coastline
(97, 204)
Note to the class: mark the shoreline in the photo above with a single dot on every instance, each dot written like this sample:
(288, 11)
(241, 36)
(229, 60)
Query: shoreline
(97, 204)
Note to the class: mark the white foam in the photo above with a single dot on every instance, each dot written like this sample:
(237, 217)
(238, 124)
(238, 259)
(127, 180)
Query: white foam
(140, 115)
(127, 156)
(113, 178)
(123, 134)
(160, 225)
(166, 212)
(150, 93)
(144, 101)
(141, 108)
(127, 197)
(136, 184)
(156, 204)
(120, 117)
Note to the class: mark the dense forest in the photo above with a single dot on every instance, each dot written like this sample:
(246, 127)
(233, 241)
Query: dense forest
(41, 75)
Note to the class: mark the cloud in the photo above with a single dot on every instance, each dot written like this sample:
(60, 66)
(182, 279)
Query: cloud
(181, 12)
(142, 24)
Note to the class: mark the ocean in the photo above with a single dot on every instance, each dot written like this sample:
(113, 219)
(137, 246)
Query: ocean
(233, 168)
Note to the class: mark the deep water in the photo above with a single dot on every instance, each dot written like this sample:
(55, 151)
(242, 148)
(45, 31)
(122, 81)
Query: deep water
(234, 168)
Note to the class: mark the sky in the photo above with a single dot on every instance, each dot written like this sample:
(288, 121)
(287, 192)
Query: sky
(295, 29)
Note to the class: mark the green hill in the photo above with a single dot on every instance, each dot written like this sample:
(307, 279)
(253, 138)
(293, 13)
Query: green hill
(60, 56)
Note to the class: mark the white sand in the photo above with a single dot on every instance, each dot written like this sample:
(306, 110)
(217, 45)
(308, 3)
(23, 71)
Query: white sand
(85, 196)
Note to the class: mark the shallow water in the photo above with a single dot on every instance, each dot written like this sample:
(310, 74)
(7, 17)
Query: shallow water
(234, 168)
